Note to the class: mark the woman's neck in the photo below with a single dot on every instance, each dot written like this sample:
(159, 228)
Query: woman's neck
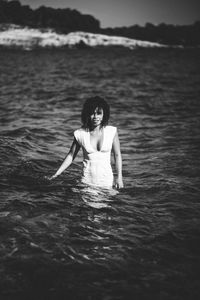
(96, 128)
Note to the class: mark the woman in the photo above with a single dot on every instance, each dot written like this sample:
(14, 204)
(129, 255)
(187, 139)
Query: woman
(96, 139)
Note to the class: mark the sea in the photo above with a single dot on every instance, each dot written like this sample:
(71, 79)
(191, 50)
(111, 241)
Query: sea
(61, 240)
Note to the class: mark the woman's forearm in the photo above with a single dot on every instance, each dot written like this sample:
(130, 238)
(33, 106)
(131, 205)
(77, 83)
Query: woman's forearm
(68, 159)
(66, 163)
(118, 164)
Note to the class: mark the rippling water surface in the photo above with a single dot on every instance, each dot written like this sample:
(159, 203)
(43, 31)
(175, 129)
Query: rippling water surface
(58, 240)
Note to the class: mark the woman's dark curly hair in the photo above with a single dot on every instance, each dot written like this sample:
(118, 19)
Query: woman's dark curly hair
(88, 109)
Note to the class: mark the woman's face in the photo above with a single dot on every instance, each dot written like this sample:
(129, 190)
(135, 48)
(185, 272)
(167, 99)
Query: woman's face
(96, 117)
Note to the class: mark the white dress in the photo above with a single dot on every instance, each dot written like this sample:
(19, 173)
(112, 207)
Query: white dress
(97, 164)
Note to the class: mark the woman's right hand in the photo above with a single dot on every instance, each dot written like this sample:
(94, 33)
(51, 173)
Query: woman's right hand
(50, 177)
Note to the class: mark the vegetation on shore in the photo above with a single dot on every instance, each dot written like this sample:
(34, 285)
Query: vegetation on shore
(69, 20)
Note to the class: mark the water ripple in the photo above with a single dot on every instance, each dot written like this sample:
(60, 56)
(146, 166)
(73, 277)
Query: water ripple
(62, 240)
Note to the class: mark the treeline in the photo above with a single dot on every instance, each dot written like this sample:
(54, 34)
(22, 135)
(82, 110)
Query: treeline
(68, 20)
(62, 20)
(187, 35)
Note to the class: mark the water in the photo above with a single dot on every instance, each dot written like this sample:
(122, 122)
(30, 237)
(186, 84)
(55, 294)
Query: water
(59, 240)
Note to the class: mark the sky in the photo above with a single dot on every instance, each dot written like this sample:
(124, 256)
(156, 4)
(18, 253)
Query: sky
(117, 13)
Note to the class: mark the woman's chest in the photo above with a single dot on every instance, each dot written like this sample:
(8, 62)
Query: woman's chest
(97, 142)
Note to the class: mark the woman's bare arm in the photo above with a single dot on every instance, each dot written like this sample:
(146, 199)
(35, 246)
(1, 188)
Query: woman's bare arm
(118, 161)
(75, 147)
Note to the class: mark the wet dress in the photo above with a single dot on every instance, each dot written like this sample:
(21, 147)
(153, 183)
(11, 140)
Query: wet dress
(96, 164)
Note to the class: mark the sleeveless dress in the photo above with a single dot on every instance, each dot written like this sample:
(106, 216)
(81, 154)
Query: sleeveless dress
(96, 164)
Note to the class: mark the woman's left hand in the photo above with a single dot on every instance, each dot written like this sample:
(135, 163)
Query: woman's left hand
(119, 183)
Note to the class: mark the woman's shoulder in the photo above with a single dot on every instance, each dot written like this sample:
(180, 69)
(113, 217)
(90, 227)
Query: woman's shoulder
(79, 130)
(111, 130)
(79, 135)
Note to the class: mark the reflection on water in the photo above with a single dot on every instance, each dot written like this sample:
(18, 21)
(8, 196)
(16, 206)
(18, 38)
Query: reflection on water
(63, 240)
(95, 196)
